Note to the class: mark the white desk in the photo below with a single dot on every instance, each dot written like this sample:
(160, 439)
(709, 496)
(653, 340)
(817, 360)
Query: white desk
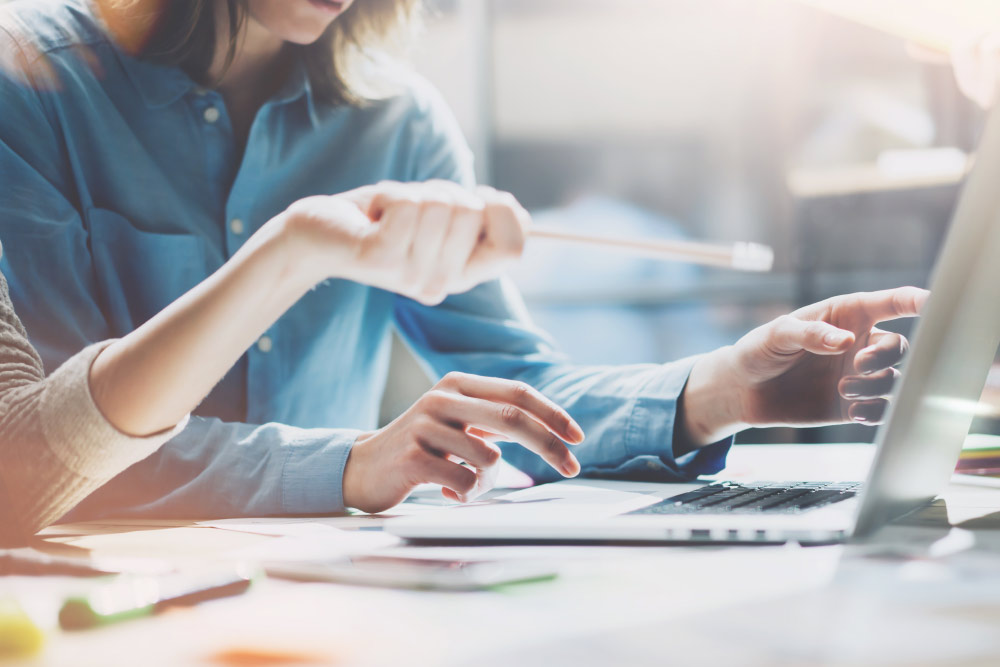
(931, 598)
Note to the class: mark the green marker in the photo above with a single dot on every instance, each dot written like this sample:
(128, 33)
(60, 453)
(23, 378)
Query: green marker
(127, 597)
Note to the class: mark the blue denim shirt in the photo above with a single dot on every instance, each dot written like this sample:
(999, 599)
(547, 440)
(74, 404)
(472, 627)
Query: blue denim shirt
(121, 188)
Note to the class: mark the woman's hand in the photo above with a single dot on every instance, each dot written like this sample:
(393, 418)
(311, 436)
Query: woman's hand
(422, 240)
(823, 364)
(452, 424)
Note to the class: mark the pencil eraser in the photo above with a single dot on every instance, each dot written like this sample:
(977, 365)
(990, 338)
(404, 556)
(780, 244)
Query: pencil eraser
(752, 257)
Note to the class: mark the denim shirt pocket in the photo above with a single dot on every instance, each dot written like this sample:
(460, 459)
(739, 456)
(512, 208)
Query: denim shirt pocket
(139, 272)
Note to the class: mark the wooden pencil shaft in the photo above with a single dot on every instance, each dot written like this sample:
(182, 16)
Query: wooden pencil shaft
(685, 251)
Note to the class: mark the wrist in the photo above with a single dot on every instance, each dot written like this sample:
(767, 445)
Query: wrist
(712, 399)
(352, 485)
(291, 256)
(321, 238)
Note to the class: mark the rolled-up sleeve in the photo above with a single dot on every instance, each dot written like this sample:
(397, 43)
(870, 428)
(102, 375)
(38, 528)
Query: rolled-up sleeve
(223, 469)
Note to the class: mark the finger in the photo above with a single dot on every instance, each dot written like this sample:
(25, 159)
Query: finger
(789, 335)
(398, 217)
(436, 470)
(504, 234)
(519, 394)
(513, 423)
(892, 304)
(506, 201)
(445, 440)
(459, 245)
(887, 350)
(862, 387)
(433, 227)
(375, 200)
(485, 481)
(868, 412)
(485, 435)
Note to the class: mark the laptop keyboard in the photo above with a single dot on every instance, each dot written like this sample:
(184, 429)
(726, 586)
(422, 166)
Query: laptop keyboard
(755, 498)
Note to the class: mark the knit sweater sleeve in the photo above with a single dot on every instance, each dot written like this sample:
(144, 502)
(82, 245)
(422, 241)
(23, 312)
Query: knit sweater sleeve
(56, 447)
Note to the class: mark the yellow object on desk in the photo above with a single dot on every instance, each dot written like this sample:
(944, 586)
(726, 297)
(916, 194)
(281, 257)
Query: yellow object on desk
(19, 636)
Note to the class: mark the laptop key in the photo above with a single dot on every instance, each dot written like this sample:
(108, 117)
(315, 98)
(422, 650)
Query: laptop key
(781, 499)
(722, 498)
(753, 498)
(824, 498)
(694, 495)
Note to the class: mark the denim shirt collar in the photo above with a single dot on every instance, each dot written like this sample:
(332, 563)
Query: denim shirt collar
(298, 86)
(160, 85)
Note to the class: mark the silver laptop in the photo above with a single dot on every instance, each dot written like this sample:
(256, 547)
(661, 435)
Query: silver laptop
(917, 448)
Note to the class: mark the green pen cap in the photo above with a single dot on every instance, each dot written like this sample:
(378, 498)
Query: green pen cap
(79, 614)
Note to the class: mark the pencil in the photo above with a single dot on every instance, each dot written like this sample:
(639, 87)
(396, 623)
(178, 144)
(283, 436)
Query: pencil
(739, 256)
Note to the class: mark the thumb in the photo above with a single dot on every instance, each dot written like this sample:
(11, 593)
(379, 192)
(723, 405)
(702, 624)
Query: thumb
(367, 199)
(791, 335)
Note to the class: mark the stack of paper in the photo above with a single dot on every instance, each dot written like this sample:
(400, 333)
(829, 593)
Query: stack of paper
(980, 456)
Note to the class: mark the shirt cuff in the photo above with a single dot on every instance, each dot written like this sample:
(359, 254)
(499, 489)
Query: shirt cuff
(312, 478)
(76, 430)
(650, 430)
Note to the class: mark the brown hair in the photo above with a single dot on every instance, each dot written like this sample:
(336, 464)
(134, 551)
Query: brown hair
(182, 33)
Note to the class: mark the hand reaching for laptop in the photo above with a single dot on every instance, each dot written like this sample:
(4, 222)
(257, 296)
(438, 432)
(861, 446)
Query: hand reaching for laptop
(826, 363)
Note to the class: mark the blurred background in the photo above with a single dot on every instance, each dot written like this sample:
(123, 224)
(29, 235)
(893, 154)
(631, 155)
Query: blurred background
(717, 120)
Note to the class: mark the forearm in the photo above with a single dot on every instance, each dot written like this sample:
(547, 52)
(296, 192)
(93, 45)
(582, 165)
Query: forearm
(147, 381)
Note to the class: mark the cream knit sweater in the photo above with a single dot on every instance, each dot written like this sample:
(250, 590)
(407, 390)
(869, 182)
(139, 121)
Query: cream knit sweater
(56, 447)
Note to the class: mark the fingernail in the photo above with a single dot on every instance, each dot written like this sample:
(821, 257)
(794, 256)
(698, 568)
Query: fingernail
(850, 391)
(572, 467)
(575, 433)
(834, 338)
(859, 419)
